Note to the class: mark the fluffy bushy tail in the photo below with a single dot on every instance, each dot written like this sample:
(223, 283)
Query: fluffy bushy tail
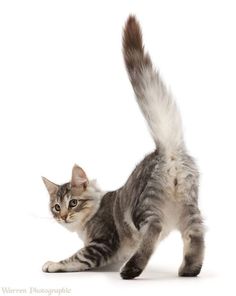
(154, 100)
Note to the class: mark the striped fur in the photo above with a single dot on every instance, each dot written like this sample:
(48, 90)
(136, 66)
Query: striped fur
(161, 194)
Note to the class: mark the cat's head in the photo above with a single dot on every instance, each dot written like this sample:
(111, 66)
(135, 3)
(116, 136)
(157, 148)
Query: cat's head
(73, 203)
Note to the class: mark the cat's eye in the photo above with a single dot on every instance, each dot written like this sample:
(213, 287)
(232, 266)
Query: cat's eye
(57, 207)
(73, 203)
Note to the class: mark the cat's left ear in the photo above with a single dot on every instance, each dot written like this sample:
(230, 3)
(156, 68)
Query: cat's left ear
(79, 177)
(51, 187)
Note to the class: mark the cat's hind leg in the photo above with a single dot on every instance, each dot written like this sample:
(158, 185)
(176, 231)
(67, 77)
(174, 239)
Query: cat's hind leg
(193, 238)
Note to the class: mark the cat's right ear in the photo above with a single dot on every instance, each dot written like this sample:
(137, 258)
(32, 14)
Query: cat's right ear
(51, 187)
(79, 177)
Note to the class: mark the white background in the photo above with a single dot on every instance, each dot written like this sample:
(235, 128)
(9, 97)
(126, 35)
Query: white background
(65, 98)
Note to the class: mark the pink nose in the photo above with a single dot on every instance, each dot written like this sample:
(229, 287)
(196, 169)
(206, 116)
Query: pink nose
(64, 217)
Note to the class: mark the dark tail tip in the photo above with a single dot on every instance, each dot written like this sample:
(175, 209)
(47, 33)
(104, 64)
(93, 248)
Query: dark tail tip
(132, 36)
(133, 49)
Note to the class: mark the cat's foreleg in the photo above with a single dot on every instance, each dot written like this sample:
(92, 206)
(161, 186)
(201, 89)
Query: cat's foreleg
(192, 231)
(151, 230)
(92, 256)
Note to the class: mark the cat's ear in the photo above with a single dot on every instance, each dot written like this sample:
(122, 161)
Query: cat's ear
(51, 187)
(79, 177)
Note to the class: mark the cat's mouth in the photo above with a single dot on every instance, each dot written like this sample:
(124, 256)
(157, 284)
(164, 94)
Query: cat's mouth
(65, 221)
(68, 221)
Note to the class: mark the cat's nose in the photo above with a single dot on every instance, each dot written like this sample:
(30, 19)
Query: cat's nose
(63, 217)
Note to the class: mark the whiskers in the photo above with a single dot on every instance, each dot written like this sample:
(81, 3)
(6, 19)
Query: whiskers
(36, 216)
(73, 218)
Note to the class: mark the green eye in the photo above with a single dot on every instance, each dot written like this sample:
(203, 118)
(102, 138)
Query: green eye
(57, 207)
(73, 203)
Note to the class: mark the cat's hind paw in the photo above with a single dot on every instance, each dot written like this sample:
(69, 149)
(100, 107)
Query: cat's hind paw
(50, 266)
(190, 270)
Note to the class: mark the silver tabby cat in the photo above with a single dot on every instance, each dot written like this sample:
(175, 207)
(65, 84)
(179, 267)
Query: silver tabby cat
(160, 195)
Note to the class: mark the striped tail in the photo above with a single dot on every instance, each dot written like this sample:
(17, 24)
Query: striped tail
(154, 100)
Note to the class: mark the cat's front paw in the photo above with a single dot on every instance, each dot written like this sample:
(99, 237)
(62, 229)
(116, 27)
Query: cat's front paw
(130, 272)
(50, 266)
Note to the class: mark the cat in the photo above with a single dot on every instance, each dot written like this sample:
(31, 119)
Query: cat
(160, 195)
